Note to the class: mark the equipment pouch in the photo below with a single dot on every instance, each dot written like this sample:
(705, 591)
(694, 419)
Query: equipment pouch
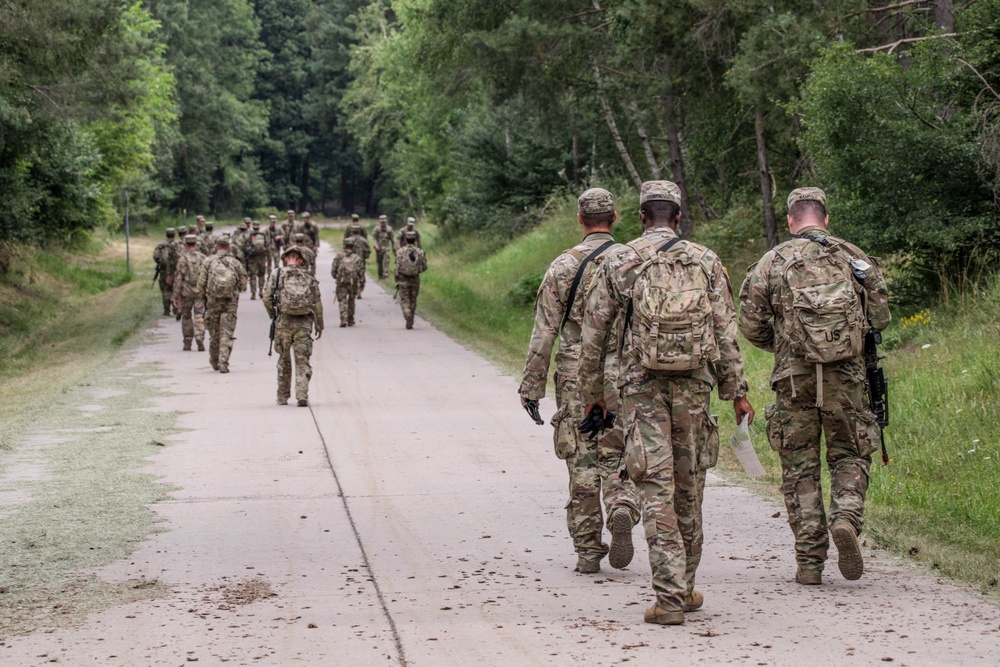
(708, 448)
(564, 434)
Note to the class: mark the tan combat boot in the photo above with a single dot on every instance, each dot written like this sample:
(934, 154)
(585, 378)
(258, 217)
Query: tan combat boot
(693, 600)
(851, 564)
(808, 577)
(620, 525)
(588, 565)
(660, 616)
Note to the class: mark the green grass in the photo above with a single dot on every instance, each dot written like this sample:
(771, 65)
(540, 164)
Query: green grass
(937, 501)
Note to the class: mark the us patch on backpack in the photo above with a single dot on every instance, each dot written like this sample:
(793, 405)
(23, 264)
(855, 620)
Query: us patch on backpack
(672, 309)
(824, 314)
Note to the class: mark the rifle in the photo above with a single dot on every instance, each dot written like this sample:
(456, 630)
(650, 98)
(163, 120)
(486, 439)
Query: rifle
(396, 293)
(877, 386)
(155, 275)
(274, 310)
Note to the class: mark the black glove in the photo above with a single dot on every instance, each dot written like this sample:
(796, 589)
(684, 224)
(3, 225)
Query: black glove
(531, 407)
(596, 422)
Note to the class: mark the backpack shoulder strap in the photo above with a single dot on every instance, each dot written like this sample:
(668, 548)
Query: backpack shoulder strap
(646, 253)
(579, 275)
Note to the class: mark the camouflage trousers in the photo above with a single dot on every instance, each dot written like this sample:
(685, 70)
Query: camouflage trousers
(345, 303)
(671, 440)
(295, 341)
(595, 473)
(220, 321)
(382, 260)
(794, 426)
(408, 300)
(364, 277)
(166, 293)
(192, 319)
(256, 272)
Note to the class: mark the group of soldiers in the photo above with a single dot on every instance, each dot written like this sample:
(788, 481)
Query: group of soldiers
(201, 276)
(647, 329)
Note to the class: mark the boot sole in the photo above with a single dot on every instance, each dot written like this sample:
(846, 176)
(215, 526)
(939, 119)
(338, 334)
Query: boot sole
(849, 559)
(622, 550)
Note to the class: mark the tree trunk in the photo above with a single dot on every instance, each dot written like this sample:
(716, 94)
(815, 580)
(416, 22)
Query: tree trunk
(613, 126)
(944, 15)
(677, 167)
(304, 185)
(654, 166)
(576, 160)
(770, 224)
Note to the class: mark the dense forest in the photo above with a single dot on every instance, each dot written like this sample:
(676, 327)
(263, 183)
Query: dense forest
(479, 113)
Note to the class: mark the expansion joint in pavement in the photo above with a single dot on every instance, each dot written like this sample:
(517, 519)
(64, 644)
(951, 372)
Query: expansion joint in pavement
(400, 653)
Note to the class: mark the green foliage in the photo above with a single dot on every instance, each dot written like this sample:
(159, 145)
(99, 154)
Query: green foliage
(900, 154)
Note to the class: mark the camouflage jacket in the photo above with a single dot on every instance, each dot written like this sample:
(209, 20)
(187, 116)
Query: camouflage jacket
(550, 308)
(237, 246)
(206, 243)
(361, 247)
(189, 267)
(165, 256)
(763, 300)
(383, 238)
(410, 280)
(347, 268)
(401, 237)
(312, 321)
(609, 298)
(206, 271)
(248, 248)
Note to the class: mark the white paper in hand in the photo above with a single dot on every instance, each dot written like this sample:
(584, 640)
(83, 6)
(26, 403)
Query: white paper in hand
(743, 448)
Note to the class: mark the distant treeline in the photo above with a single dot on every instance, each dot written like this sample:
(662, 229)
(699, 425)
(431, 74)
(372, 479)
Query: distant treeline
(479, 112)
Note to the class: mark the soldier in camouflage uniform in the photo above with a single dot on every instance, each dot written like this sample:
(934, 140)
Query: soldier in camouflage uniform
(361, 249)
(186, 298)
(165, 256)
(347, 270)
(817, 398)
(221, 304)
(289, 226)
(199, 222)
(409, 286)
(301, 241)
(238, 242)
(256, 259)
(409, 228)
(594, 465)
(292, 333)
(670, 437)
(385, 245)
(310, 229)
(206, 239)
(272, 232)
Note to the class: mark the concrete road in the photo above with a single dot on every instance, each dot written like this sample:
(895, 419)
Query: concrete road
(413, 515)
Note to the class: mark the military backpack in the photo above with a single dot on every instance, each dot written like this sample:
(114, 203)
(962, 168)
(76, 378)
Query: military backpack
(223, 282)
(670, 312)
(408, 261)
(823, 311)
(349, 268)
(296, 290)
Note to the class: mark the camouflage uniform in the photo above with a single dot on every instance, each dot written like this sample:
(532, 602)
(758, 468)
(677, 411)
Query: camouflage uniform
(206, 240)
(220, 310)
(292, 336)
(794, 421)
(310, 230)
(347, 270)
(273, 252)
(671, 440)
(186, 297)
(384, 242)
(238, 244)
(256, 261)
(409, 228)
(363, 250)
(409, 286)
(593, 466)
(165, 256)
(307, 254)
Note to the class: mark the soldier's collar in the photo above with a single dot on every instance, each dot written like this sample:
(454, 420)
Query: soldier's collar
(598, 234)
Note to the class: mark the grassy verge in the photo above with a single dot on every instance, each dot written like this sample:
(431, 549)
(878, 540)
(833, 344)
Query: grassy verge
(937, 502)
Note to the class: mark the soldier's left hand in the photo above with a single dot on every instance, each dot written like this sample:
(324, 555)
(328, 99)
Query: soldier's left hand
(742, 407)
(319, 332)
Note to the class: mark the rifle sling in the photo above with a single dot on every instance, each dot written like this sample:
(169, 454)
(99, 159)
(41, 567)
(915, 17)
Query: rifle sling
(579, 276)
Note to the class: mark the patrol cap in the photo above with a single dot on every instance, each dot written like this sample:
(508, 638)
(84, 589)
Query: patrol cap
(272, 217)
(290, 212)
(170, 232)
(411, 220)
(209, 225)
(246, 220)
(659, 191)
(200, 217)
(355, 216)
(222, 241)
(182, 230)
(596, 200)
(190, 239)
(349, 242)
(306, 214)
(300, 237)
(243, 226)
(806, 194)
(256, 224)
(382, 217)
